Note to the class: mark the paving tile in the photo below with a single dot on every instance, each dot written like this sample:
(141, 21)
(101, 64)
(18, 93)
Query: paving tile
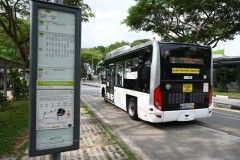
(91, 140)
(10, 158)
(71, 155)
(88, 121)
(80, 154)
(86, 116)
(96, 153)
(115, 152)
(83, 111)
(91, 129)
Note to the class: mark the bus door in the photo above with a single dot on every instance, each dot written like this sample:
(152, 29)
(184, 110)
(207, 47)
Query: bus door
(185, 77)
(110, 71)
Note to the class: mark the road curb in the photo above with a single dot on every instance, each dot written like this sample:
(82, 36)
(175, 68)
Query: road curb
(90, 85)
(224, 105)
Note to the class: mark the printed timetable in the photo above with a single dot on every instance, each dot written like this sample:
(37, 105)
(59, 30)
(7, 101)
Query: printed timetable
(56, 42)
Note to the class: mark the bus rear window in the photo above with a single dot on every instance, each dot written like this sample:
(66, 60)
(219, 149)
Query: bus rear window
(186, 60)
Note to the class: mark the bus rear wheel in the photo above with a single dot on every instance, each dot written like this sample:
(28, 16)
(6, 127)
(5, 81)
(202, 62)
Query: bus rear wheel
(132, 108)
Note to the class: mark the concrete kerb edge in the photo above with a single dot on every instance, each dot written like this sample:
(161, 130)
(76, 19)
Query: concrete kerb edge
(90, 85)
(141, 156)
(229, 106)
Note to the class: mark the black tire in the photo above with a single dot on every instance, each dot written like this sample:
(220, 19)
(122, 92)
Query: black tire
(104, 95)
(132, 108)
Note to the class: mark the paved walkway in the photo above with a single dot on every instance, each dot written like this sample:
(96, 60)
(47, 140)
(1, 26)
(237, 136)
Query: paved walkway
(95, 143)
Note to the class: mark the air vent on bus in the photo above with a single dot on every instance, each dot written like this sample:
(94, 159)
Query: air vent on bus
(196, 97)
(176, 98)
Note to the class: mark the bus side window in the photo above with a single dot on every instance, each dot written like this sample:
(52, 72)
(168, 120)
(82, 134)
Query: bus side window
(131, 74)
(145, 60)
(103, 75)
(119, 73)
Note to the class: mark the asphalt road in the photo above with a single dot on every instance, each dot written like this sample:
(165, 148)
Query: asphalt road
(215, 138)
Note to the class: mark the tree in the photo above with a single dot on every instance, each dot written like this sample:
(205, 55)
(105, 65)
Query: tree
(197, 21)
(89, 56)
(14, 22)
(7, 49)
(115, 45)
(139, 41)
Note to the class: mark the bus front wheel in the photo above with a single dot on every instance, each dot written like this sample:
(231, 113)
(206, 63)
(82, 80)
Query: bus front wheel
(104, 95)
(132, 108)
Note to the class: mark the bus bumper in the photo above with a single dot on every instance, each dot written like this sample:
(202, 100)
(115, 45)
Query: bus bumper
(179, 115)
(187, 115)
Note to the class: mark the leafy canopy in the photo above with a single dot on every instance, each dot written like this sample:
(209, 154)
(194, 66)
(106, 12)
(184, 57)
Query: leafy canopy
(195, 21)
(15, 26)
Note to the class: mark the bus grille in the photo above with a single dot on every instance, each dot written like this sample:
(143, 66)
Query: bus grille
(196, 97)
(176, 98)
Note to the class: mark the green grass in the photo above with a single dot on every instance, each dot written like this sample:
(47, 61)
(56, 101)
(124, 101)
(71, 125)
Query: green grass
(230, 94)
(13, 123)
(129, 154)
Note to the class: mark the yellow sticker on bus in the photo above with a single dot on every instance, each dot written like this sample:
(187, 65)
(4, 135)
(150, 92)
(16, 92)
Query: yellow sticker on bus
(186, 70)
(187, 87)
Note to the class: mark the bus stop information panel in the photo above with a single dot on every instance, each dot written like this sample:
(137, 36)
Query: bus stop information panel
(54, 78)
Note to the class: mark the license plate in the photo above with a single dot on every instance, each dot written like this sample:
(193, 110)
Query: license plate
(187, 87)
(187, 106)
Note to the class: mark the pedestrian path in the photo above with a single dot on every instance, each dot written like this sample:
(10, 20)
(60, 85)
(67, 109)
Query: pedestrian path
(95, 142)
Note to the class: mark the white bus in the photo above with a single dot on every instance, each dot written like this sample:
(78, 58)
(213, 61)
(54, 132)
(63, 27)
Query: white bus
(160, 82)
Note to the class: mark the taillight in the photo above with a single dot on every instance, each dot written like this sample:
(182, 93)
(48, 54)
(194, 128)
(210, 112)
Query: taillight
(158, 98)
(210, 96)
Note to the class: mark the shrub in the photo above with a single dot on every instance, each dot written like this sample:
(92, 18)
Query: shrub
(19, 85)
(237, 73)
(223, 77)
(3, 101)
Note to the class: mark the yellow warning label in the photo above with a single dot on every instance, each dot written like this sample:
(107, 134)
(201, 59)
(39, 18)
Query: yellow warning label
(187, 87)
(186, 70)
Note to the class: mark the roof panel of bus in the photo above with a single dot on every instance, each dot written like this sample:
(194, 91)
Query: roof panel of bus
(118, 52)
(182, 43)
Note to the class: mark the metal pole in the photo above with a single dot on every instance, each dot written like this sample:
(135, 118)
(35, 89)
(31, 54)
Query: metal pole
(56, 156)
(92, 63)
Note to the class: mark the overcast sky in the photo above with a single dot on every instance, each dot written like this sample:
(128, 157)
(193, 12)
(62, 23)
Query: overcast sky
(105, 28)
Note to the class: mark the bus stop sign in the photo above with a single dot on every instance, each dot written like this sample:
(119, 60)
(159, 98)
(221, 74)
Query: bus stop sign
(54, 78)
